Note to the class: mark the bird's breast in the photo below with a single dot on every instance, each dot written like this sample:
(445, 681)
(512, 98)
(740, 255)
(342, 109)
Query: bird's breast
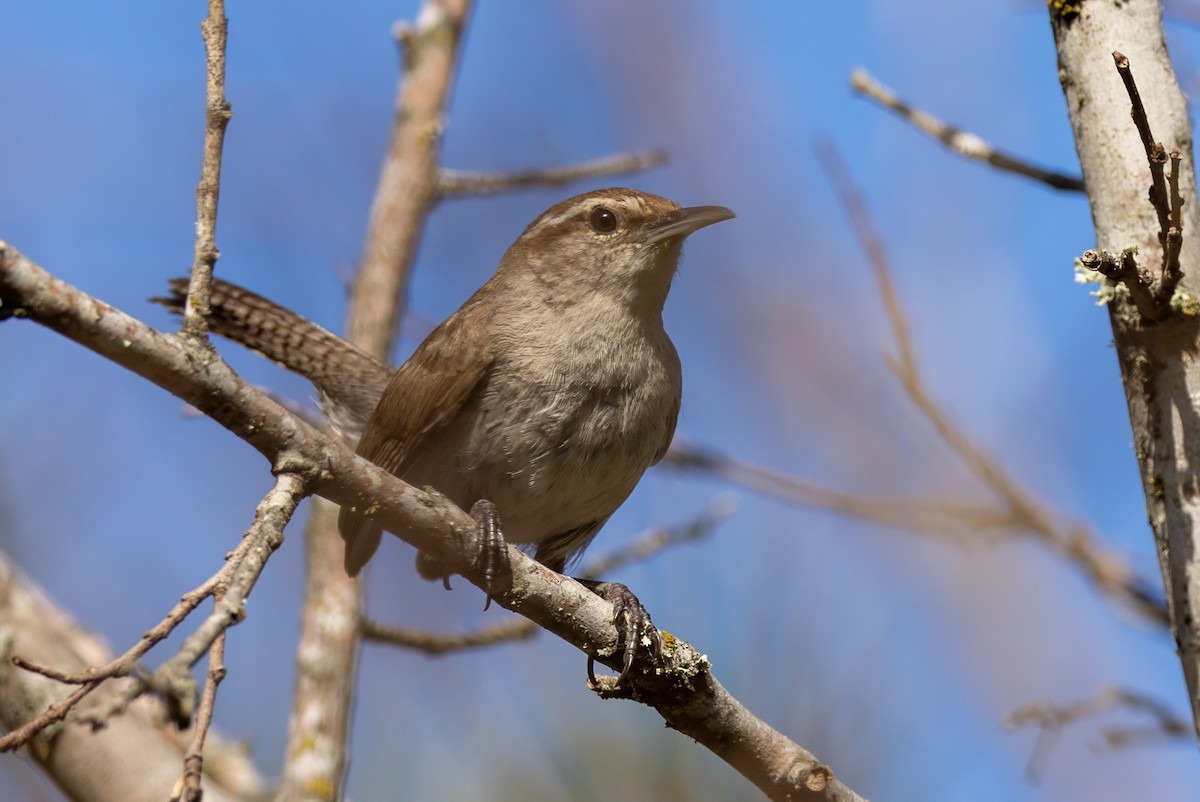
(561, 431)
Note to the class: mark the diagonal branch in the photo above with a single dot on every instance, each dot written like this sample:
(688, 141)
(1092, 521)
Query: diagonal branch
(1027, 513)
(964, 143)
(230, 586)
(681, 689)
(137, 756)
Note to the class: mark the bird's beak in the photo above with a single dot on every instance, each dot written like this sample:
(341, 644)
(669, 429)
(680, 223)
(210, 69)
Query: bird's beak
(682, 222)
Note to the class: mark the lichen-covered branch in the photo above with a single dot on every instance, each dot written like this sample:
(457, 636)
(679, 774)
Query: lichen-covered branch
(1161, 381)
(680, 688)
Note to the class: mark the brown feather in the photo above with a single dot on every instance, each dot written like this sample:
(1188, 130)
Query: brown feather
(427, 392)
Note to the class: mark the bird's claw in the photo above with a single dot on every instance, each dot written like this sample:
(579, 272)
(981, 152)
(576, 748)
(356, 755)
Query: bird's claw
(633, 624)
(493, 550)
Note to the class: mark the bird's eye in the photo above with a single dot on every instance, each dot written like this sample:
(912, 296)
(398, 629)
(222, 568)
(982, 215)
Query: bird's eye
(603, 220)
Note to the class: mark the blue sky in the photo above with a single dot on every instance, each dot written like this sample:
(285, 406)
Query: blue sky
(893, 656)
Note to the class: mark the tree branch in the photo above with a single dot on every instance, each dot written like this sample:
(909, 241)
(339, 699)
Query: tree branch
(681, 689)
(217, 113)
(1161, 380)
(453, 183)
(330, 625)
(1122, 268)
(173, 680)
(408, 182)
(1051, 719)
(964, 143)
(1021, 510)
(136, 758)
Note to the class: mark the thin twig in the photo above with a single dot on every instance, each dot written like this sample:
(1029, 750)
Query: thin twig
(454, 183)
(1172, 273)
(217, 112)
(1029, 514)
(1156, 154)
(126, 663)
(938, 517)
(1051, 719)
(193, 762)
(436, 643)
(91, 679)
(19, 736)
(961, 142)
(236, 577)
(1123, 269)
(660, 538)
(856, 211)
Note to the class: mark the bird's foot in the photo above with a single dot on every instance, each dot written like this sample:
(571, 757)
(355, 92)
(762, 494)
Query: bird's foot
(633, 624)
(493, 553)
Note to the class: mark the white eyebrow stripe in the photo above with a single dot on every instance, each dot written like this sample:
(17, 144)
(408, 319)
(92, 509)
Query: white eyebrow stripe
(625, 205)
(547, 222)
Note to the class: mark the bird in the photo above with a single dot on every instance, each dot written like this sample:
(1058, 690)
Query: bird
(538, 405)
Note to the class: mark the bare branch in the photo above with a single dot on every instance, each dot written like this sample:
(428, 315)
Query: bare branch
(453, 183)
(1161, 381)
(408, 181)
(1123, 269)
(681, 688)
(193, 762)
(856, 212)
(660, 538)
(1051, 719)
(217, 113)
(1028, 514)
(327, 652)
(172, 680)
(1156, 154)
(407, 189)
(937, 517)
(961, 142)
(126, 664)
(1172, 273)
(137, 757)
(1167, 203)
(1153, 299)
(436, 643)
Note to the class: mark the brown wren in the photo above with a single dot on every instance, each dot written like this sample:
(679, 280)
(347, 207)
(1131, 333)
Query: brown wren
(537, 406)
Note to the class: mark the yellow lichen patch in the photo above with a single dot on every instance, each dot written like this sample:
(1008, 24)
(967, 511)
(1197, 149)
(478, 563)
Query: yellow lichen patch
(1185, 304)
(1065, 9)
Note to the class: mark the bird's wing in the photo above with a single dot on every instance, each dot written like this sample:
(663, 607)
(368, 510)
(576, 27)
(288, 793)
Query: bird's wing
(427, 393)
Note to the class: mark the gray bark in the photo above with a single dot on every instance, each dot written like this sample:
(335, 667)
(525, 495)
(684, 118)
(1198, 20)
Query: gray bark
(1158, 360)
